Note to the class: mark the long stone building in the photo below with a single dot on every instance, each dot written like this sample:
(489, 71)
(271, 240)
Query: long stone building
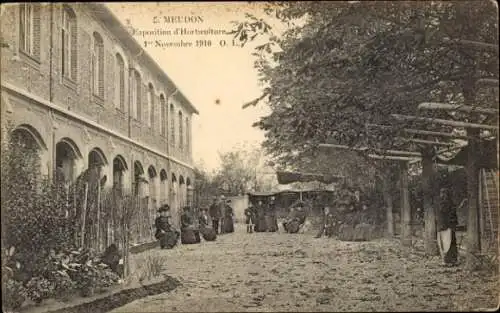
(77, 85)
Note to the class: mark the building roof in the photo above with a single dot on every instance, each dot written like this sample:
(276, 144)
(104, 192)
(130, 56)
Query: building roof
(108, 18)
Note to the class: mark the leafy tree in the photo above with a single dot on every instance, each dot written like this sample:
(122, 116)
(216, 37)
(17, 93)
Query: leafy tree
(350, 64)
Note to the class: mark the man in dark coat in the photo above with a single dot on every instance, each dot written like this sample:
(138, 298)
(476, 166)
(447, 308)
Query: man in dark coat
(250, 218)
(214, 212)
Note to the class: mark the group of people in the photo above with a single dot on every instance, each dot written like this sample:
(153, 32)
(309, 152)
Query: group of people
(261, 217)
(222, 215)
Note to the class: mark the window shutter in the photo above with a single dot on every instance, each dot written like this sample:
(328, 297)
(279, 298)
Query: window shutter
(74, 48)
(36, 30)
(139, 99)
(122, 86)
(22, 26)
(116, 80)
(101, 70)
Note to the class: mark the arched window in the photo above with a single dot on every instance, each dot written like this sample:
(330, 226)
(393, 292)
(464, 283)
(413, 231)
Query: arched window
(172, 125)
(151, 105)
(98, 65)
(181, 134)
(29, 29)
(135, 94)
(120, 83)
(163, 115)
(68, 43)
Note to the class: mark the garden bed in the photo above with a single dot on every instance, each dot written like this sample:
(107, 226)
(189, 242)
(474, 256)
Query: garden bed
(109, 300)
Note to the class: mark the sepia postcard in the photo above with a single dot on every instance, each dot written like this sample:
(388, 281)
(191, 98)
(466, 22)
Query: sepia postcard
(323, 156)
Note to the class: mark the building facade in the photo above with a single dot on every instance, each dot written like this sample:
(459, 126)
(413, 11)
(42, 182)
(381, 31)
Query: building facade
(80, 87)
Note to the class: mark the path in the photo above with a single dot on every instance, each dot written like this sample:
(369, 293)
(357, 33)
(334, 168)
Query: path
(281, 272)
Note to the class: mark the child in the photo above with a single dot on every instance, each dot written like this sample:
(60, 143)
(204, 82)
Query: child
(250, 216)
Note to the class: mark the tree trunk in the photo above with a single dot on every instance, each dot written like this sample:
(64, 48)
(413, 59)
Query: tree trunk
(472, 168)
(406, 232)
(388, 199)
(430, 237)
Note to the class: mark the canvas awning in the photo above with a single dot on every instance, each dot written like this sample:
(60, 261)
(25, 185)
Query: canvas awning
(292, 177)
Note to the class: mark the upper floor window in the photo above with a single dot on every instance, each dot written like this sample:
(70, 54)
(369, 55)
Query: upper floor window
(135, 94)
(172, 125)
(151, 104)
(68, 43)
(29, 29)
(98, 65)
(181, 134)
(120, 83)
(163, 115)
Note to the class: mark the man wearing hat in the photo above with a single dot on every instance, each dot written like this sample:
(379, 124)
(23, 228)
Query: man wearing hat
(214, 212)
(222, 213)
(165, 233)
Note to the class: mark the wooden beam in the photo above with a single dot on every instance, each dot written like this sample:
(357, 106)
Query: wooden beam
(487, 82)
(422, 132)
(395, 152)
(472, 44)
(454, 107)
(428, 142)
(401, 117)
(391, 157)
(433, 133)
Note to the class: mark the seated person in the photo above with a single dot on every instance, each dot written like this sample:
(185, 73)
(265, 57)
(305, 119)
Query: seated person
(165, 233)
(111, 257)
(295, 219)
(207, 231)
(189, 233)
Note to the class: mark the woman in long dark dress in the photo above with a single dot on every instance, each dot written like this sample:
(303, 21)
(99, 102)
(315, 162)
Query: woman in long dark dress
(165, 233)
(228, 218)
(189, 233)
(447, 223)
(206, 231)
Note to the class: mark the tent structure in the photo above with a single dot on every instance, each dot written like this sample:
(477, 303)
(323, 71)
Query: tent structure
(292, 177)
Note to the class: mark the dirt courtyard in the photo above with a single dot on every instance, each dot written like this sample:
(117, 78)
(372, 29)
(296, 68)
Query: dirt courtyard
(296, 272)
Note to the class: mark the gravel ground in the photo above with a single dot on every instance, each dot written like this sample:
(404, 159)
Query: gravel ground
(296, 272)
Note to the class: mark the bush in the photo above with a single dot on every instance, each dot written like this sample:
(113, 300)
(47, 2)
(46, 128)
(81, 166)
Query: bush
(38, 227)
(33, 214)
(13, 294)
(152, 267)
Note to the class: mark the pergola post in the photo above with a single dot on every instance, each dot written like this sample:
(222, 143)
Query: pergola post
(406, 233)
(386, 185)
(472, 169)
(430, 234)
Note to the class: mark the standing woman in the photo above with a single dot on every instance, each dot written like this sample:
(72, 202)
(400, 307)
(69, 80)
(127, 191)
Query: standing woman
(447, 223)
(228, 218)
